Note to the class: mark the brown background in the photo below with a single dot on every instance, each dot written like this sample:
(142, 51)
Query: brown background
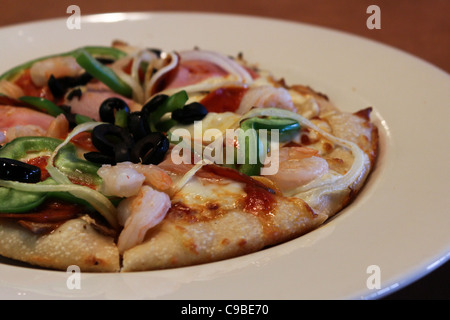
(420, 27)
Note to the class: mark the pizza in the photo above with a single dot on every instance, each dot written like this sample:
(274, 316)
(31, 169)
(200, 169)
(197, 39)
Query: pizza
(119, 158)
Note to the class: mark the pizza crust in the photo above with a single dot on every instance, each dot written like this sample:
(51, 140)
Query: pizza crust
(75, 242)
(177, 242)
(360, 131)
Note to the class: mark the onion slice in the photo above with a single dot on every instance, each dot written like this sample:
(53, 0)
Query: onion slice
(266, 96)
(360, 157)
(187, 176)
(137, 91)
(173, 63)
(205, 87)
(226, 63)
(241, 76)
(101, 203)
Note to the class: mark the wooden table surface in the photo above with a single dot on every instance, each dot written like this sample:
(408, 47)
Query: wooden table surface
(420, 27)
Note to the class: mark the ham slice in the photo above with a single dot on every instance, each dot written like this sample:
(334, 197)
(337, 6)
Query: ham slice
(18, 116)
(194, 71)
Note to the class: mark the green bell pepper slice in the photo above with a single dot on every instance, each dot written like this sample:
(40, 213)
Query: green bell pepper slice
(43, 104)
(286, 129)
(96, 51)
(67, 160)
(102, 73)
(251, 146)
(80, 119)
(121, 119)
(14, 201)
(172, 103)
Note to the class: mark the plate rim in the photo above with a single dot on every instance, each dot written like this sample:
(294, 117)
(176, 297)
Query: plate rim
(415, 272)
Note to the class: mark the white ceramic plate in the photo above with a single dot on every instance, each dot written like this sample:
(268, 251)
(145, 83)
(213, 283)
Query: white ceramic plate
(400, 221)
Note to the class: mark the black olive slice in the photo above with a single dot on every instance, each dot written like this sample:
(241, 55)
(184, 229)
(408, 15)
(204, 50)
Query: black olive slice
(59, 86)
(156, 51)
(151, 149)
(75, 93)
(122, 152)
(105, 60)
(194, 111)
(109, 107)
(106, 137)
(138, 125)
(99, 158)
(153, 104)
(15, 170)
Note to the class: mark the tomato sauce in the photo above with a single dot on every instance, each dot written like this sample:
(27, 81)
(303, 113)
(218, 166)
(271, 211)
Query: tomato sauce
(84, 140)
(260, 199)
(224, 99)
(82, 182)
(48, 217)
(30, 89)
(41, 163)
(49, 211)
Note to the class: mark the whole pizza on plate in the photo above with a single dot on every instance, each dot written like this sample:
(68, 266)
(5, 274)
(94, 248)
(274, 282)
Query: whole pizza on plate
(118, 159)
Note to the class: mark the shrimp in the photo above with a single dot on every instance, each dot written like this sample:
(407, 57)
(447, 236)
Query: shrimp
(297, 166)
(266, 97)
(126, 179)
(154, 176)
(175, 169)
(140, 213)
(41, 71)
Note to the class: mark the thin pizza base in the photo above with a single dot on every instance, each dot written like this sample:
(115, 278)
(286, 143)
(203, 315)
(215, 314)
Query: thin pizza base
(179, 242)
(76, 242)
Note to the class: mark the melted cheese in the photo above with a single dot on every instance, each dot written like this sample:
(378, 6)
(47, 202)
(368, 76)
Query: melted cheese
(198, 192)
(219, 121)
